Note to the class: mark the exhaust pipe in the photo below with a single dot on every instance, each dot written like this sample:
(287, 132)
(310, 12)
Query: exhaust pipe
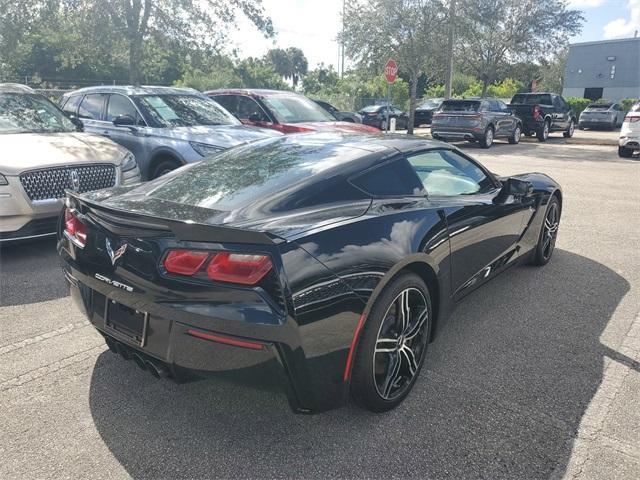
(157, 370)
(139, 361)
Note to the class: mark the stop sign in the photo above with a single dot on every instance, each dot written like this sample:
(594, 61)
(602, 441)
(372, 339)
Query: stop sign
(391, 70)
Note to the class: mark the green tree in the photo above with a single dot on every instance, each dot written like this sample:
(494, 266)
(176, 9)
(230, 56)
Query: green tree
(375, 30)
(291, 63)
(494, 32)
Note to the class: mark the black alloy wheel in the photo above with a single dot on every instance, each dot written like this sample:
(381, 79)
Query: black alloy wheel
(543, 133)
(487, 139)
(515, 136)
(568, 133)
(548, 233)
(393, 344)
(165, 167)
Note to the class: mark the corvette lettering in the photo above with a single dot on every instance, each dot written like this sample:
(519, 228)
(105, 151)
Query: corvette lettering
(114, 283)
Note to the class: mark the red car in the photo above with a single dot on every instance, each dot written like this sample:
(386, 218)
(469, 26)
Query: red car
(287, 112)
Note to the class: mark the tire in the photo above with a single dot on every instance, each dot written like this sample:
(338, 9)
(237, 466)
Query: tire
(568, 133)
(487, 139)
(543, 133)
(164, 167)
(548, 233)
(389, 358)
(625, 152)
(515, 136)
(383, 125)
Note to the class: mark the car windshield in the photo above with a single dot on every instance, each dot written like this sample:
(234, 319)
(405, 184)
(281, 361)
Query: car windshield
(31, 113)
(532, 99)
(371, 108)
(296, 109)
(184, 110)
(460, 106)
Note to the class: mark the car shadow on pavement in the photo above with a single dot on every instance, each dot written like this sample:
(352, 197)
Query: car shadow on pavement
(19, 261)
(503, 391)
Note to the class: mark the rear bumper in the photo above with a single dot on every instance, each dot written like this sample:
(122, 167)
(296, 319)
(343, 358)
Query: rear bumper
(531, 125)
(187, 340)
(595, 124)
(452, 133)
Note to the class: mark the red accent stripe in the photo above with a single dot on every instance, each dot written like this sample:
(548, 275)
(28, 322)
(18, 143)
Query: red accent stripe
(352, 348)
(226, 340)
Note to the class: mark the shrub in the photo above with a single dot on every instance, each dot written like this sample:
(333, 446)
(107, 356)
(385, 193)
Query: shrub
(578, 104)
(627, 103)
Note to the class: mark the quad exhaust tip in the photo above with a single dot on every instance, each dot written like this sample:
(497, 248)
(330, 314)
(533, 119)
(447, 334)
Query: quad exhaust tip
(156, 369)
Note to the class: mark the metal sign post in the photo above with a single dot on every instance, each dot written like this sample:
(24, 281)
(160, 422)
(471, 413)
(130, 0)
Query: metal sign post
(390, 73)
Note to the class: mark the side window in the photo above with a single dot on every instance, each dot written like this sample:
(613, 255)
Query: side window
(71, 105)
(120, 105)
(616, 107)
(448, 174)
(92, 106)
(493, 106)
(395, 178)
(249, 109)
(228, 102)
(557, 103)
(502, 107)
(484, 106)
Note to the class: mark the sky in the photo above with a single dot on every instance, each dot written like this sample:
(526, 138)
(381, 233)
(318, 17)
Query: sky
(313, 25)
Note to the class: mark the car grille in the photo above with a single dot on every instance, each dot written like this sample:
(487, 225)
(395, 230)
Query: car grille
(51, 183)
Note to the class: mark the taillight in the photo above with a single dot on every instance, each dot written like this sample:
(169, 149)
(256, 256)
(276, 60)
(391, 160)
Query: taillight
(631, 119)
(239, 268)
(242, 268)
(537, 112)
(185, 262)
(74, 229)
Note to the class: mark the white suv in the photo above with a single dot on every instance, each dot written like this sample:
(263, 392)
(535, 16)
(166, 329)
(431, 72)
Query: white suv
(630, 133)
(42, 154)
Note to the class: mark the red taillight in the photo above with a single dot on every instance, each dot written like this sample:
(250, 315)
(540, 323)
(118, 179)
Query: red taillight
(236, 342)
(246, 269)
(185, 262)
(74, 229)
(537, 112)
(631, 119)
(242, 268)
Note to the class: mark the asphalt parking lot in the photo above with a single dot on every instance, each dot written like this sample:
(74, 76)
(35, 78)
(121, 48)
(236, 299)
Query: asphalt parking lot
(536, 375)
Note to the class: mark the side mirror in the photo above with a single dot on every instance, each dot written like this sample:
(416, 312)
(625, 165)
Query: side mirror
(77, 122)
(124, 121)
(514, 187)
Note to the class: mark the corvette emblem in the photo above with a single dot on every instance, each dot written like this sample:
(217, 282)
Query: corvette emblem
(115, 255)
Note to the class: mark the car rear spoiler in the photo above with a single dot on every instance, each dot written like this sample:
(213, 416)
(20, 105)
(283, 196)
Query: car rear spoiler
(123, 222)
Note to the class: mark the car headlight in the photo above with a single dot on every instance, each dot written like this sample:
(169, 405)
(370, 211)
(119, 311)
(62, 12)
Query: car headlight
(128, 162)
(204, 149)
(3, 180)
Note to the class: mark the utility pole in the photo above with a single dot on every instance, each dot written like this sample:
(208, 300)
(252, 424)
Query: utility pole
(450, 34)
(342, 42)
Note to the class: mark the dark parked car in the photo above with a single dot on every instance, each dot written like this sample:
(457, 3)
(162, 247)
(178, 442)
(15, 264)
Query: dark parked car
(163, 127)
(343, 116)
(425, 111)
(602, 115)
(376, 116)
(322, 262)
(287, 112)
(476, 119)
(543, 113)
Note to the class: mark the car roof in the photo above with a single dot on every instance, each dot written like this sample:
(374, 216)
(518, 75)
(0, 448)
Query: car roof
(133, 90)
(598, 104)
(254, 92)
(15, 88)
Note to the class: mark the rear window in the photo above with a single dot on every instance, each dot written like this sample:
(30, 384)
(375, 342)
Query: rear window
(273, 171)
(598, 107)
(296, 109)
(460, 106)
(532, 99)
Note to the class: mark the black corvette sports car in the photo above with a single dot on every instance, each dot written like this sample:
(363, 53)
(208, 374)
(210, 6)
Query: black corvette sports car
(324, 262)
